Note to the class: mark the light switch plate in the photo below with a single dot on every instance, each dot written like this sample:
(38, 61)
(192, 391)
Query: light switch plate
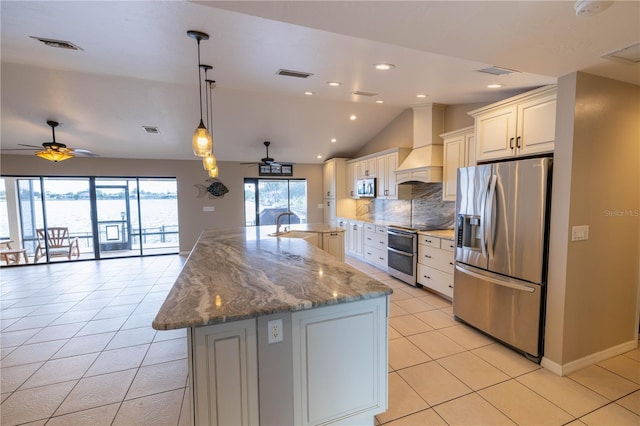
(580, 233)
(208, 208)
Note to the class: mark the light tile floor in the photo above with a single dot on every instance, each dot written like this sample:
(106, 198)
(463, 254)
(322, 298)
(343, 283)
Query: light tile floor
(77, 348)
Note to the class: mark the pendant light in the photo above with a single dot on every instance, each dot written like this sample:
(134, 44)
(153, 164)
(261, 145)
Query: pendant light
(202, 143)
(209, 161)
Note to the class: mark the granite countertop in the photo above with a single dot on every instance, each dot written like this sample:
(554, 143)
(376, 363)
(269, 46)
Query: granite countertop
(440, 233)
(321, 228)
(240, 273)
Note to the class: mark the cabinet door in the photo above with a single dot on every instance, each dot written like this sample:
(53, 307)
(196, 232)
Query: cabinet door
(330, 212)
(333, 243)
(224, 379)
(352, 178)
(381, 169)
(496, 134)
(470, 150)
(536, 126)
(329, 179)
(454, 156)
(359, 240)
(340, 367)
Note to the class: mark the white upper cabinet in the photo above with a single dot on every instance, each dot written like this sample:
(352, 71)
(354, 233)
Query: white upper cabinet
(367, 168)
(352, 179)
(386, 169)
(333, 182)
(519, 126)
(459, 151)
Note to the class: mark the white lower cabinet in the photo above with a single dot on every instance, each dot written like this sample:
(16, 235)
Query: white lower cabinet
(329, 368)
(340, 363)
(333, 243)
(223, 369)
(435, 264)
(375, 245)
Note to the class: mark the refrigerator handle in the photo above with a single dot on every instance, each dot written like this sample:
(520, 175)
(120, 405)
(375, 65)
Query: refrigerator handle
(492, 280)
(489, 221)
(483, 223)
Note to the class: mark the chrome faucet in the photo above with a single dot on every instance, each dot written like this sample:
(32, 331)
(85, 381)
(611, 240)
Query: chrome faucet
(278, 220)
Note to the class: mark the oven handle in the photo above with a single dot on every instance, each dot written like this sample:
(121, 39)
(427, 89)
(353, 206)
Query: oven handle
(404, 253)
(401, 234)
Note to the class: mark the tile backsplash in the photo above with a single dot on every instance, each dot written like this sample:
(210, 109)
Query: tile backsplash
(425, 208)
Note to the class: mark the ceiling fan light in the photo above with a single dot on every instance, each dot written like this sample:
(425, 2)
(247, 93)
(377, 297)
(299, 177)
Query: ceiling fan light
(209, 162)
(55, 155)
(213, 173)
(202, 142)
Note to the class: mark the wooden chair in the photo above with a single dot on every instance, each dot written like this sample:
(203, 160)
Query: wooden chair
(60, 245)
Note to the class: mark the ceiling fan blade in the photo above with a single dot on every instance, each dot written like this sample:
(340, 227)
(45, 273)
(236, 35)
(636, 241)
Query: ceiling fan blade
(17, 149)
(31, 146)
(84, 152)
(250, 164)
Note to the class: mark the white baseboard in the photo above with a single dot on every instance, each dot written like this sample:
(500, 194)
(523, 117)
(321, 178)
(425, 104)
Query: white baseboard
(564, 369)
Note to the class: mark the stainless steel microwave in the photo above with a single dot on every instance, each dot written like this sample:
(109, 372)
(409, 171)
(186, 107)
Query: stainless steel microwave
(366, 187)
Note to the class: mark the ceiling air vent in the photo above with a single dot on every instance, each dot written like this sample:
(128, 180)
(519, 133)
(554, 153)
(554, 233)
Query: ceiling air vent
(290, 73)
(497, 71)
(151, 129)
(61, 44)
(359, 93)
(629, 54)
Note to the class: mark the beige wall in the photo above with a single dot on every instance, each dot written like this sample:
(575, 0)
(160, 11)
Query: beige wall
(397, 134)
(456, 117)
(593, 284)
(229, 210)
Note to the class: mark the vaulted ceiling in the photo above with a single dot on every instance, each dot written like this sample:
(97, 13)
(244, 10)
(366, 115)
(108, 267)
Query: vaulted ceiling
(137, 67)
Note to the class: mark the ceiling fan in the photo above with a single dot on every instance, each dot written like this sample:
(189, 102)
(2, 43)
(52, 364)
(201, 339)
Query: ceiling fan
(55, 151)
(268, 161)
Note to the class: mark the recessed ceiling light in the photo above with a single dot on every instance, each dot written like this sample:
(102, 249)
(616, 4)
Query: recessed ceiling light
(308, 93)
(379, 101)
(353, 117)
(495, 86)
(334, 83)
(421, 95)
(384, 67)
(319, 157)
(334, 140)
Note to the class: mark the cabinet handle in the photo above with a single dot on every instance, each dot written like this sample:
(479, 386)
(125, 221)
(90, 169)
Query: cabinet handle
(518, 142)
(382, 242)
(451, 263)
(352, 193)
(381, 258)
(511, 143)
(450, 286)
(427, 256)
(428, 241)
(333, 233)
(355, 227)
(427, 277)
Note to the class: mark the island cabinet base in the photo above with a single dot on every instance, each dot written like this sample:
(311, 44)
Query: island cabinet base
(329, 369)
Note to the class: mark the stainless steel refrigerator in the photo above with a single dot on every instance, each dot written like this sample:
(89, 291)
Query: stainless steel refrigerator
(501, 250)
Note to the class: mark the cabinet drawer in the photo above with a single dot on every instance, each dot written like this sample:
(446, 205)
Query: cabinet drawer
(382, 230)
(372, 239)
(435, 258)
(428, 240)
(370, 227)
(447, 245)
(376, 257)
(436, 280)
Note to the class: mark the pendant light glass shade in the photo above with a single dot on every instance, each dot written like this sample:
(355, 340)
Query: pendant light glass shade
(55, 155)
(202, 143)
(213, 172)
(209, 161)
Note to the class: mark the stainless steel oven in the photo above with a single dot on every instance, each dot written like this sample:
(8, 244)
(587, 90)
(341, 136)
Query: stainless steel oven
(402, 254)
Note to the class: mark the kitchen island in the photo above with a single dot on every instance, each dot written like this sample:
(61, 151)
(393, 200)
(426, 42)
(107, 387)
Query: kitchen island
(279, 332)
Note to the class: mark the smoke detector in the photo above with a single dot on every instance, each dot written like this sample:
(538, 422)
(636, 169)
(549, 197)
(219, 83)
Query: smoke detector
(590, 7)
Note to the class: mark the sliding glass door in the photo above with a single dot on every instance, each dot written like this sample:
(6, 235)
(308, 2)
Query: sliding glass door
(108, 217)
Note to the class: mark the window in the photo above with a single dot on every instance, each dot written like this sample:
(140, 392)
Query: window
(264, 199)
(110, 217)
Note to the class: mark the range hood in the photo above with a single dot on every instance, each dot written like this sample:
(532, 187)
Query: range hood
(424, 163)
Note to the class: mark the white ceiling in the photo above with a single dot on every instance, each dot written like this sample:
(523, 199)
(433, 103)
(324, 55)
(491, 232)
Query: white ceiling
(138, 68)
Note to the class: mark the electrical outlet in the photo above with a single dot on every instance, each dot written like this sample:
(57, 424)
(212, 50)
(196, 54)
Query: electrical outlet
(580, 233)
(208, 208)
(274, 328)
